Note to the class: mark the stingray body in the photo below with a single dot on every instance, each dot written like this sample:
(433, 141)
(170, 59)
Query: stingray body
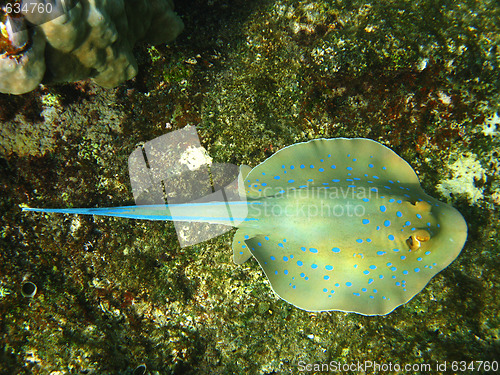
(336, 224)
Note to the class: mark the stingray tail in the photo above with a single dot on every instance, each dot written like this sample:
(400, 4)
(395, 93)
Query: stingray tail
(227, 213)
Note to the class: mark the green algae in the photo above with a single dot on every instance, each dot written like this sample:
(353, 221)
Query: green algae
(114, 293)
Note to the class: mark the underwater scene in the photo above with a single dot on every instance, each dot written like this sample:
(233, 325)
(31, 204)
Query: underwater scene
(249, 187)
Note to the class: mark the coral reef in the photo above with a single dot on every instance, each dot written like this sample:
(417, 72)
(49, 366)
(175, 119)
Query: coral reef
(253, 76)
(77, 39)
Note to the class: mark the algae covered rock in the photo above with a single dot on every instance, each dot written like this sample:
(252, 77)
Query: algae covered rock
(45, 41)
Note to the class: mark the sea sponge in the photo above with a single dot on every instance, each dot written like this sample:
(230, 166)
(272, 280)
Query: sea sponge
(78, 39)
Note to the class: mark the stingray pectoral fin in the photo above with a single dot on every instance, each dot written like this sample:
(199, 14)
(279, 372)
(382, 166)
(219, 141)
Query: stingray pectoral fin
(290, 277)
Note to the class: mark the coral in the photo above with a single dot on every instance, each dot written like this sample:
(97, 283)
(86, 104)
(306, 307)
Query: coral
(254, 76)
(466, 172)
(86, 38)
(491, 125)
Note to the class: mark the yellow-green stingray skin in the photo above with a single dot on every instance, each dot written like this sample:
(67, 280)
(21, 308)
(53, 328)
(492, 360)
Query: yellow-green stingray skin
(343, 224)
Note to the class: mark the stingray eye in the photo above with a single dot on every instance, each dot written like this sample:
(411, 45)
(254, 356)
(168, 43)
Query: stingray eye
(415, 240)
(413, 243)
(422, 206)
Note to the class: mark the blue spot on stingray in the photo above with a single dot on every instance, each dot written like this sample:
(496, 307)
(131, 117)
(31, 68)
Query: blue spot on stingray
(370, 281)
(405, 272)
(312, 166)
(393, 269)
(325, 290)
(299, 263)
(285, 259)
(302, 274)
(337, 285)
(349, 168)
(291, 181)
(275, 272)
(419, 216)
(366, 200)
(292, 167)
(419, 259)
(403, 257)
(334, 166)
(336, 250)
(370, 165)
(368, 240)
(348, 283)
(328, 267)
(258, 243)
(383, 209)
(408, 223)
(314, 266)
(281, 245)
(380, 276)
(381, 252)
(321, 170)
(359, 240)
(277, 177)
(313, 250)
(365, 221)
(363, 289)
(399, 214)
(417, 270)
(391, 237)
(303, 248)
(273, 258)
(264, 184)
(285, 272)
(427, 252)
(326, 277)
(366, 272)
(356, 294)
(372, 267)
(387, 223)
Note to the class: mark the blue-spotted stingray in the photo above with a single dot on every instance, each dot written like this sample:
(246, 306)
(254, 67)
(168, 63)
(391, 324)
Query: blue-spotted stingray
(335, 224)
